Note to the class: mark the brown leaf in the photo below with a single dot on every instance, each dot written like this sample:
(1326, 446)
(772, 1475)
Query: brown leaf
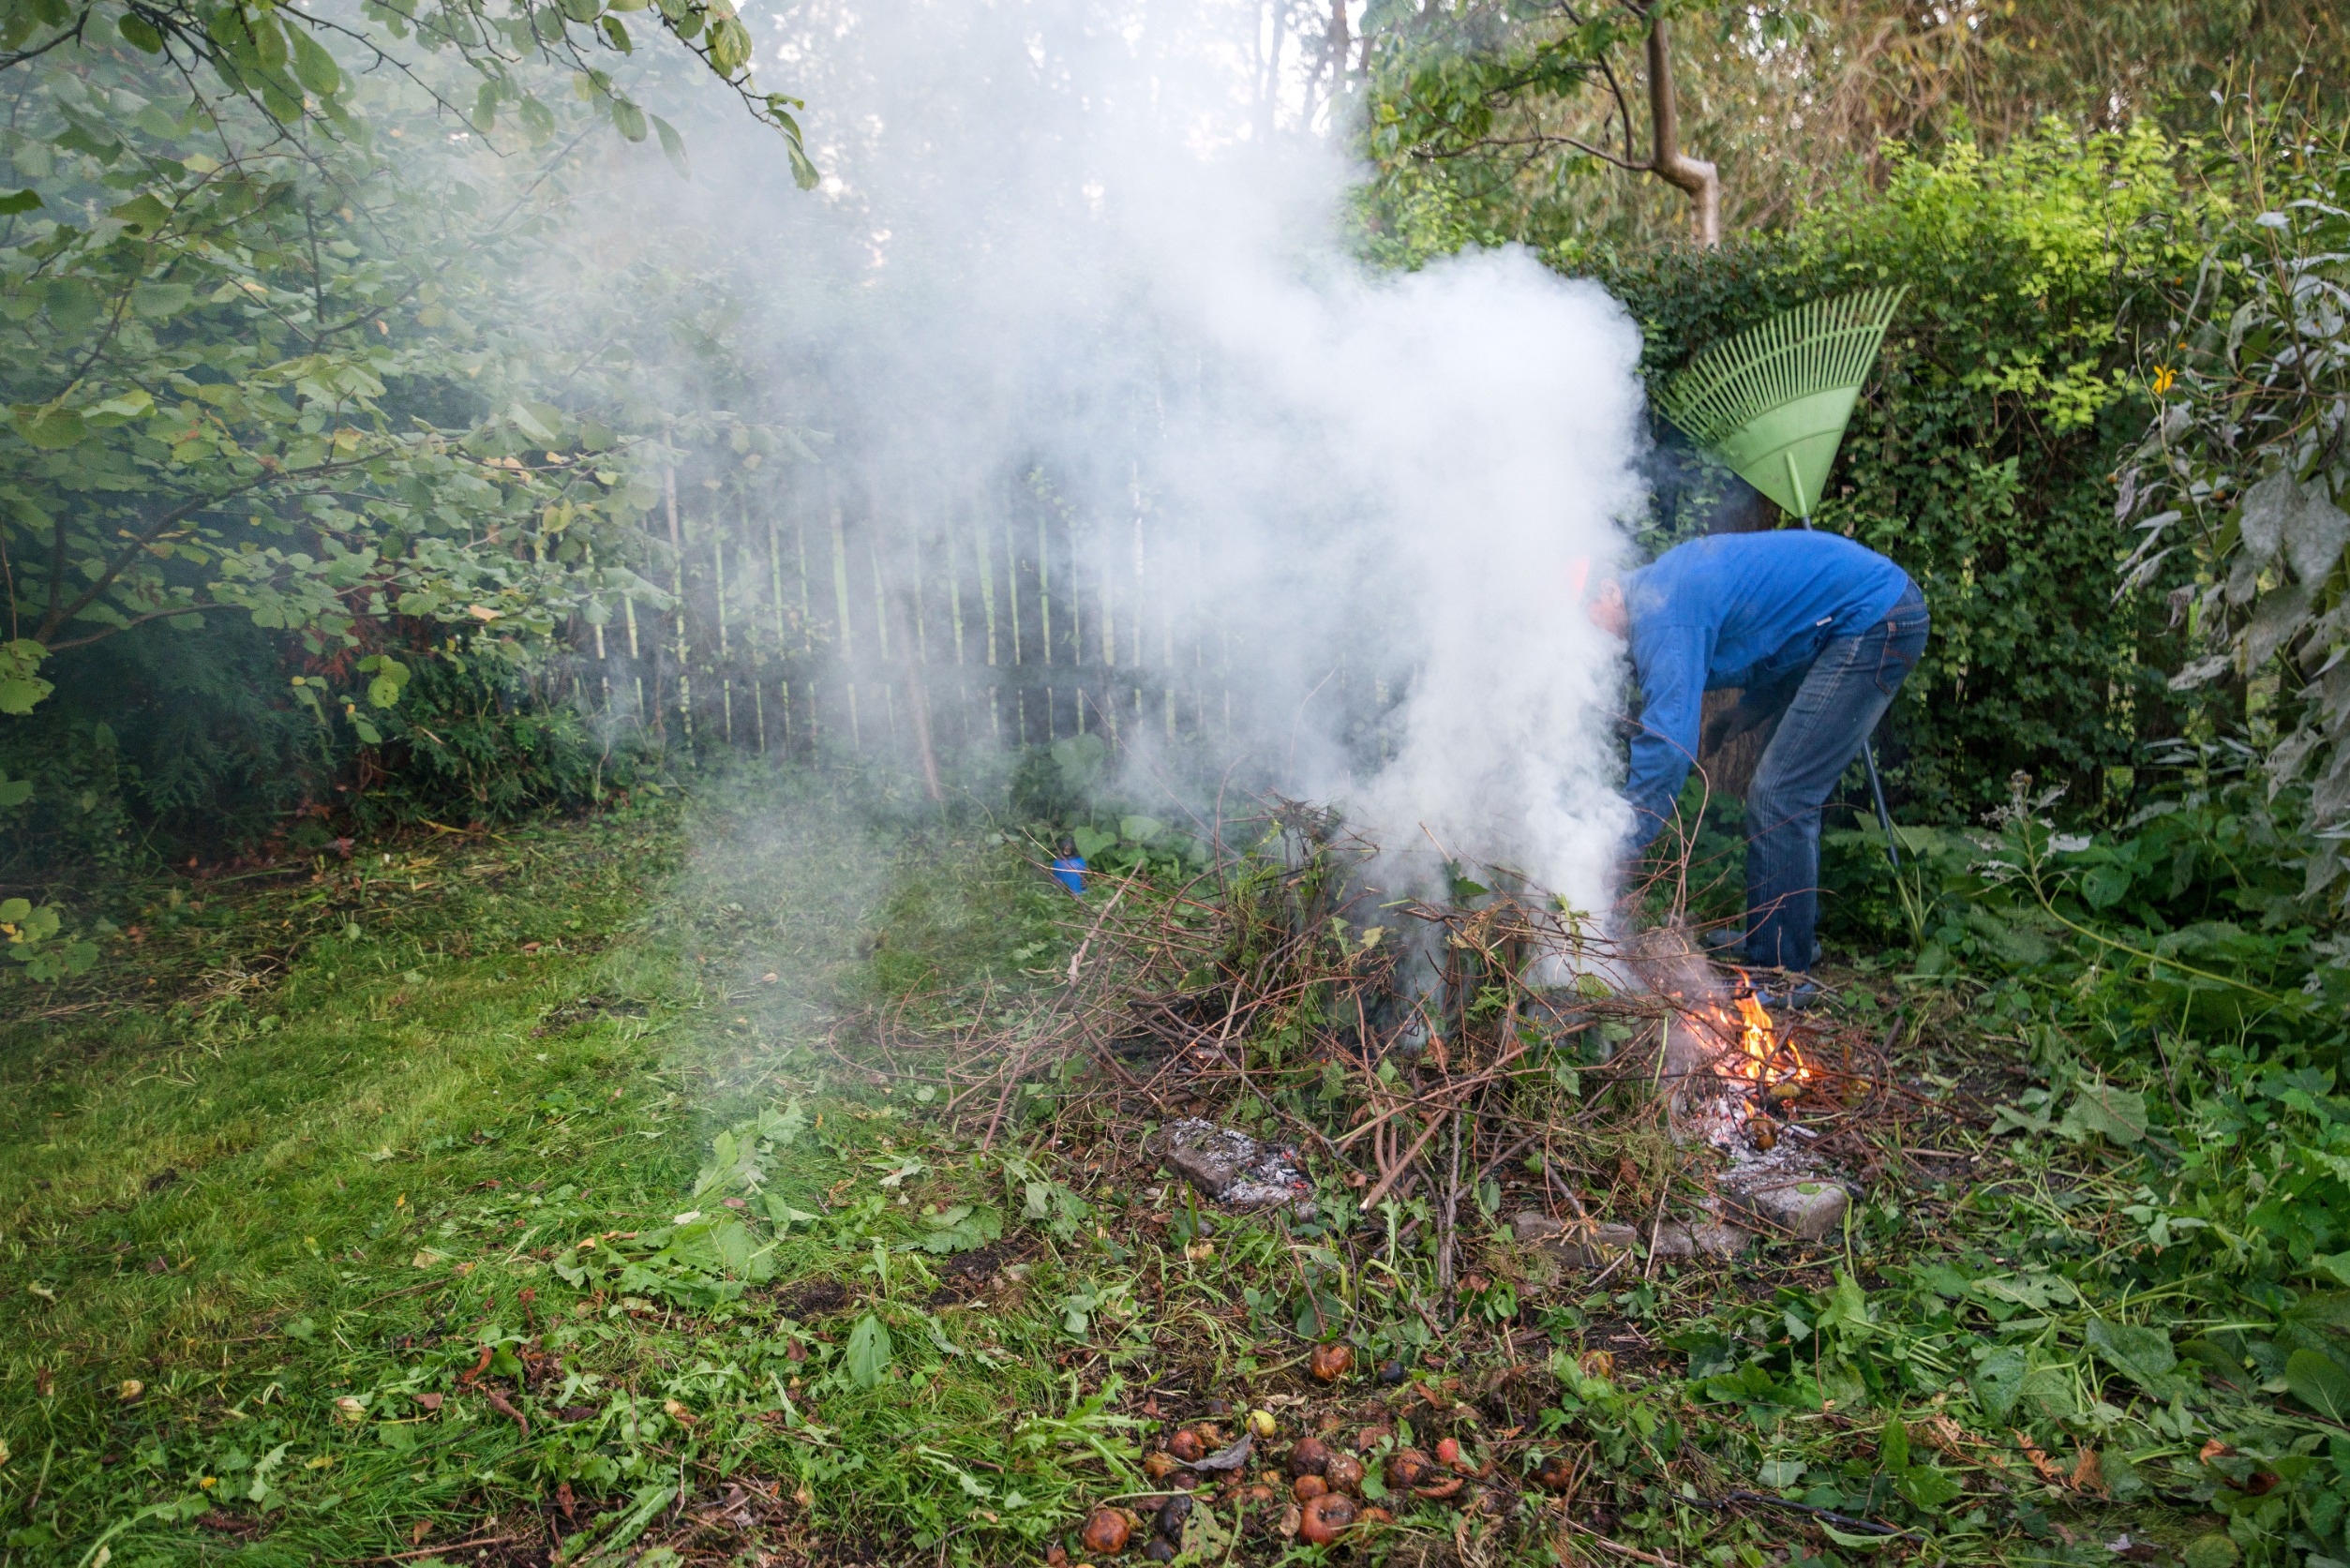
(2088, 1474)
(2049, 1469)
(499, 1403)
(1942, 1435)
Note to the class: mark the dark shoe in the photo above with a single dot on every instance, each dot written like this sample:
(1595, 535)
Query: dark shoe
(1788, 993)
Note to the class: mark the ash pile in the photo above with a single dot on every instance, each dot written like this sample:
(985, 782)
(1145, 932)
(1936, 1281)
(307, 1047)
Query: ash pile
(1743, 1078)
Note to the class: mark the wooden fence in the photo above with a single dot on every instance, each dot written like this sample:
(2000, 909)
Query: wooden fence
(806, 622)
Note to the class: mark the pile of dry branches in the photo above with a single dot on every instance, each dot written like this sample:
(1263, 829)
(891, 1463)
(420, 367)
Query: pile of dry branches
(1420, 1048)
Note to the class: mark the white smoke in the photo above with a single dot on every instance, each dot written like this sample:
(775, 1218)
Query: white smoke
(1104, 240)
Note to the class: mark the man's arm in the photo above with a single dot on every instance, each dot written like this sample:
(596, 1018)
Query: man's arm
(1671, 660)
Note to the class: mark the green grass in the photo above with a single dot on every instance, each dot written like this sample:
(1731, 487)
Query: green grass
(293, 1216)
(247, 1201)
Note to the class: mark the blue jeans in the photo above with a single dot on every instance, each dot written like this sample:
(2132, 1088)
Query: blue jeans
(1830, 708)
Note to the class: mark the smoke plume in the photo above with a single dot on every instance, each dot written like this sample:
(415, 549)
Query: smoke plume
(1094, 254)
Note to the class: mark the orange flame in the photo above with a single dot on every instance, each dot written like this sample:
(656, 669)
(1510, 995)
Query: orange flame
(1762, 1057)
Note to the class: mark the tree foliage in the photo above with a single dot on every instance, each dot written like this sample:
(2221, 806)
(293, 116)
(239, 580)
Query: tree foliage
(283, 59)
(1512, 118)
(284, 355)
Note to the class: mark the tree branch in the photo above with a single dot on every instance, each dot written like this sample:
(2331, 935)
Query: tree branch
(57, 616)
(1694, 175)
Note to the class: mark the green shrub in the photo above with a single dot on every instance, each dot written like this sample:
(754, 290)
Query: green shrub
(1982, 456)
(478, 742)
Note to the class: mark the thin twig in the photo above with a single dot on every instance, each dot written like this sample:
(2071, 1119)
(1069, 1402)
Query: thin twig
(1618, 1548)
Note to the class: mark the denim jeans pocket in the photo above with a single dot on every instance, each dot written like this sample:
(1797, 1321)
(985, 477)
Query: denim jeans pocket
(1904, 641)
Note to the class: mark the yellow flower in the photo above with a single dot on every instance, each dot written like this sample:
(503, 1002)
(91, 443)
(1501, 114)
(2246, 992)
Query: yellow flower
(2163, 378)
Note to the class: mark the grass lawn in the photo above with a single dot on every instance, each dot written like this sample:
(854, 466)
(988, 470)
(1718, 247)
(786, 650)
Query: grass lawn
(544, 1197)
(309, 1154)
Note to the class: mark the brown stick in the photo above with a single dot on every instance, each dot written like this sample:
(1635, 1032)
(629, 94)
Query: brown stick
(1401, 1165)
(431, 1551)
(1617, 1546)
(1452, 1207)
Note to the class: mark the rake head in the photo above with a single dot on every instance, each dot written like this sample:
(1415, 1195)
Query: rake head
(1773, 402)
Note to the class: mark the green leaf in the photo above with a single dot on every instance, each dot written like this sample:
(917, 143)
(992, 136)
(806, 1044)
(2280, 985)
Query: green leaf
(141, 215)
(730, 45)
(71, 303)
(2318, 1380)
(628, 119)
(672, 145)
(50, 429)
(1853, 1541)
(156, 302)
(1079, 760)
(138, 33)
(19, 202)
(2105, 886)
(1928, 1486)
(804, 173)
(21, 685)
(1893, 1444)
(117, 410)
(1998, 1381)
(2036, 1291)
(2100, 1108)
(2140, 1354)
(1140, 830)
(868, 1351)
(1090, 841)
(313, 67)
(541, 422)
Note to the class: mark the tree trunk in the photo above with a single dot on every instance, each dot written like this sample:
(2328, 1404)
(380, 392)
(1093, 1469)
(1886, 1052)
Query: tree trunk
(1675, 168)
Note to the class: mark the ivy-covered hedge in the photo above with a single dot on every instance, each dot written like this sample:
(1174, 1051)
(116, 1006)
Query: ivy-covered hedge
(1982, 455)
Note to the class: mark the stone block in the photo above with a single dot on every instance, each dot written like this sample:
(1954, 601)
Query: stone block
(1707, 1239)
(1810, 1207)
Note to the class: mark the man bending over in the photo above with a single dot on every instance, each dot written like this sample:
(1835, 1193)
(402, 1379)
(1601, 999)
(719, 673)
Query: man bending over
(1819, 632)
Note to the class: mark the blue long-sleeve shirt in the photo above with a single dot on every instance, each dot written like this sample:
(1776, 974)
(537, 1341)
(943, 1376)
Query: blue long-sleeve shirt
(1734, 609)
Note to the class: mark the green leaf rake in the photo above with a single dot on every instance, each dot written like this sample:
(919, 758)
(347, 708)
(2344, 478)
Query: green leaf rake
(1772, 404)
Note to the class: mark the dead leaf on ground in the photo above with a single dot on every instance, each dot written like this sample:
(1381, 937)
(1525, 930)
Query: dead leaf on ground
(2050, 1471)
